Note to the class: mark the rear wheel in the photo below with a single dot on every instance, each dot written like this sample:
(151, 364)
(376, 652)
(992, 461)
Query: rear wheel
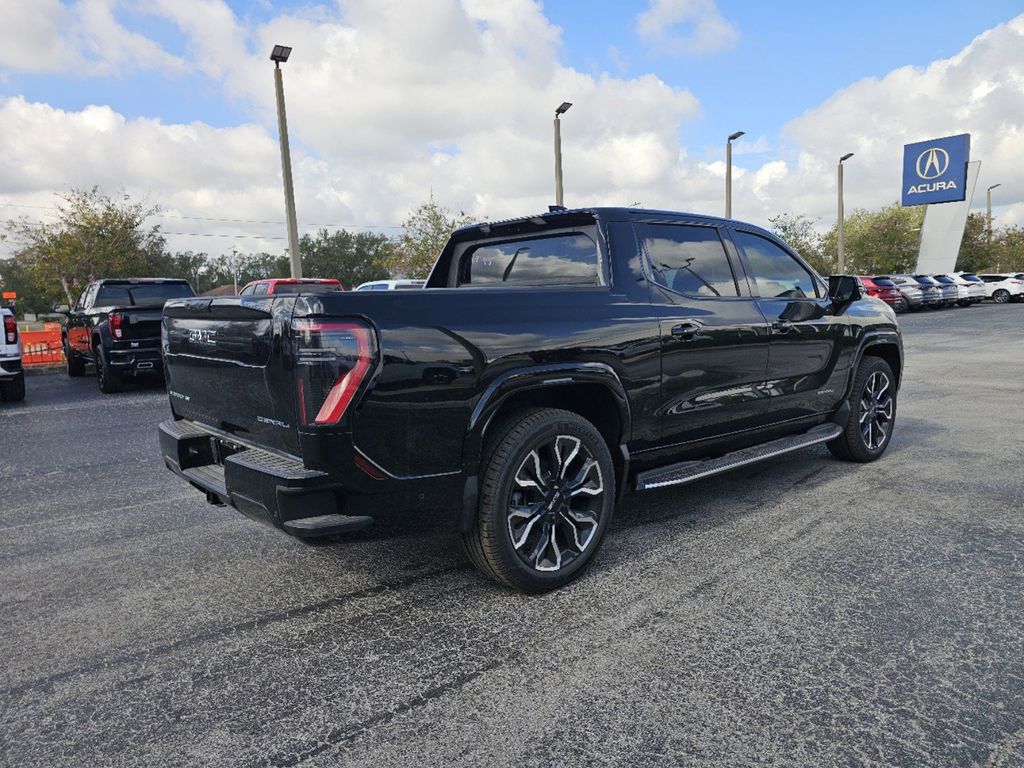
(14, 390)
(109, 380)
(965, 303)
(1001, 296)
(75, 364)
(872, 417)
(547, 492)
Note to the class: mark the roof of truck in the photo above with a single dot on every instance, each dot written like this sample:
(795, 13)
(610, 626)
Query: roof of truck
(614, 213)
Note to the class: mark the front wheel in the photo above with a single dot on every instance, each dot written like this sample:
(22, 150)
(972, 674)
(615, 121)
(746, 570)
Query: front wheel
(1001, 296)
(547, 492)
(869, 427)
(75, 364)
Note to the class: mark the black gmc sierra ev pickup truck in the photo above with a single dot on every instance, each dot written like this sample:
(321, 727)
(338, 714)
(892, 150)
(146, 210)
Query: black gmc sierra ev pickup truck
(551, 364)
(116, 326)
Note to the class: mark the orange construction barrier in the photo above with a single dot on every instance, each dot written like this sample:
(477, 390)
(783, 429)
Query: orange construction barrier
(43, 347)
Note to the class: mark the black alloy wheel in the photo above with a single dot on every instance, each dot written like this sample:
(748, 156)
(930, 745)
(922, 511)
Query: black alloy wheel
(869, 427)
(547, 492)
(108, 380)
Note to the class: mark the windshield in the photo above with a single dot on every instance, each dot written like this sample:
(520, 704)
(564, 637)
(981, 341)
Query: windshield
(943, 279)
(130, 295)
(306, 288)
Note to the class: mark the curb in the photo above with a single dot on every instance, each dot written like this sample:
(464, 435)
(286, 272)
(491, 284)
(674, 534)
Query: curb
(42, 370)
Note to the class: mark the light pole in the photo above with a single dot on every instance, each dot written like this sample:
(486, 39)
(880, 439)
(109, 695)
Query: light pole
(561, 110)
(842, 254)
(988, 212)
(728, 172)
(278, 55)
(234, 269)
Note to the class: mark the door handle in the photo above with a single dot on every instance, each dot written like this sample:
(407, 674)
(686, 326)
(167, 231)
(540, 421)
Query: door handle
(782, 326)
(686, 330)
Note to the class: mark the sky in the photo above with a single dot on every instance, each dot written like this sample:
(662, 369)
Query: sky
(392, 101)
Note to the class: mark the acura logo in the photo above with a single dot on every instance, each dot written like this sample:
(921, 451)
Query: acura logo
(932, 163)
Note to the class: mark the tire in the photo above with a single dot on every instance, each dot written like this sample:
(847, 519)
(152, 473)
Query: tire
(75, 364)
(965, 303)
(559, 532)
(1001, 296)
(899, 307)
(873, 386)
(13, 391)
(109, 380)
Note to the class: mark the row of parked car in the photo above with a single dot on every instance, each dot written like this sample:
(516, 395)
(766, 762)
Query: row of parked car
(913, 292)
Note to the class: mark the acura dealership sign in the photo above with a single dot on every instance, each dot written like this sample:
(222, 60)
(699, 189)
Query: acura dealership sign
(935, 171)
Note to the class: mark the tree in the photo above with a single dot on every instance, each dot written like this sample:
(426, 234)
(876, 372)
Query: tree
(878, 242)
(427, 229)
(798, 232)
(976, 253)
(345, 256)
(95, 235)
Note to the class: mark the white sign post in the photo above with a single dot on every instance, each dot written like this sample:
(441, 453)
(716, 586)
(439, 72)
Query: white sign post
(943, 229)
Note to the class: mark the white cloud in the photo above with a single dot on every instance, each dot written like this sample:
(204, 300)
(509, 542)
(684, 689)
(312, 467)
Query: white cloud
(703, 28)
(82, 39)
(385, 106)
(979, 91)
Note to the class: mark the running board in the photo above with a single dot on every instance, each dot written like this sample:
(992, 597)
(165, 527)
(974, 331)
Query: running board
(325, 525)
(688, 471)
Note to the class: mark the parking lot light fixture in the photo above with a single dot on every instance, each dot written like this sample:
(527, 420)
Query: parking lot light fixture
(560, 110)
(988, 212)
(840, 219)
(280, 54)
(728, 171)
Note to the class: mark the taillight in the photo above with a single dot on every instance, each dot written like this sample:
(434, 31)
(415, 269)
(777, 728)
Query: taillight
(10, 329)
(115, 319)
(332, 359)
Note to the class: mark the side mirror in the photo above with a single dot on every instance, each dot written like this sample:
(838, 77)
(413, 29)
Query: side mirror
(61, 309)
(843, 289)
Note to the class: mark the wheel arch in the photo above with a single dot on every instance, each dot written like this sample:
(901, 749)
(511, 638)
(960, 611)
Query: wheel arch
(592, 390)
(887, 348)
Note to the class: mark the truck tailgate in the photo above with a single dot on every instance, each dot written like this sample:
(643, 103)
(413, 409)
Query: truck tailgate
(228, 366)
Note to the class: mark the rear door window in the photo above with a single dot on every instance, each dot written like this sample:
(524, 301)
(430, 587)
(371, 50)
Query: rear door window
(564, 258)
(777, 273)
(688, 259)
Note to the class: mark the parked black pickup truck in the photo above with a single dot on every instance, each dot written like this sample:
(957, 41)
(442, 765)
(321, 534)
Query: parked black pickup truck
(116, 326)
(551, 364)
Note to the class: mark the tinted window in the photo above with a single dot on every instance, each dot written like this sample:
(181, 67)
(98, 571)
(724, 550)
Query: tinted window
(247, 291)
(689, 260)
(260, 289)
(943, 279)
(306, 288)
(777, 273)
(143, 293)
(971, 278)
(379, 287)
(884, 281)
(568, 258)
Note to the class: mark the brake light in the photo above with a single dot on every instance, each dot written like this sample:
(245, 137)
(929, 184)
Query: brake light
(10, 329)
(332, 360)
(115, 319)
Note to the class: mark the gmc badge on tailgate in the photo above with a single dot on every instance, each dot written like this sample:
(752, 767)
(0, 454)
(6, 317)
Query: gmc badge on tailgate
(202, 336)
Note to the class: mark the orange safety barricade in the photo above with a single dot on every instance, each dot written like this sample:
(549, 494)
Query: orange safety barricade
(43, 347)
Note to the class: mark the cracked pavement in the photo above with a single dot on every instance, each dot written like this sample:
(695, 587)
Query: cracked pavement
(800, 612)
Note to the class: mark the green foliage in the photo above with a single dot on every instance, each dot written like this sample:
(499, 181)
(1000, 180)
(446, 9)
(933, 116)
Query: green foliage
(878, 242)
(427, 229)
(94, 235)
(798, 232)
(345, 256)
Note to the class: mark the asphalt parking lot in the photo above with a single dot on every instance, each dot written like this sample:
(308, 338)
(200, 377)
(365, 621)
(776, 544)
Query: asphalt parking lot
(803, 612)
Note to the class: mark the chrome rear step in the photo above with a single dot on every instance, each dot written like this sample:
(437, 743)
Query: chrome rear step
(688, 471)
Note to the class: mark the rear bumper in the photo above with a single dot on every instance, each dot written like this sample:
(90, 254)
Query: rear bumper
(138, 360)
(263, 485)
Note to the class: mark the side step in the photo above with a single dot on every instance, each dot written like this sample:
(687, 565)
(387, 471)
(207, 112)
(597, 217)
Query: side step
(209, 478)
(688, 471)
(325, 525)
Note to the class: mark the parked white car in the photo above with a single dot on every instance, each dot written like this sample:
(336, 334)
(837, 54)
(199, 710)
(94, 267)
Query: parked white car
(12, 375)
(1003, 287)
(390, 285)
(970, 288)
